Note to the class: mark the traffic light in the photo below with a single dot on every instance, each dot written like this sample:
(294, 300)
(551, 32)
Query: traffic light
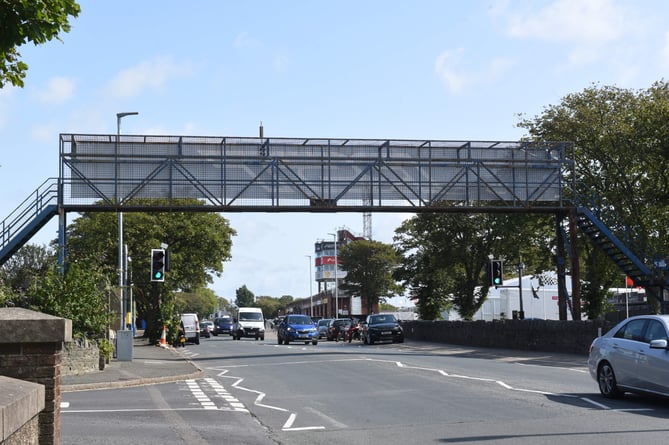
(157, 264)
(496, 273)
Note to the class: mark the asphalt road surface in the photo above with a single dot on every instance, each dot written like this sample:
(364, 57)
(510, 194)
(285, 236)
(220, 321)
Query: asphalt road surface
(259, 392)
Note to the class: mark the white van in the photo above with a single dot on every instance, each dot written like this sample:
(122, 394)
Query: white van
(191, 327)
(248, 322)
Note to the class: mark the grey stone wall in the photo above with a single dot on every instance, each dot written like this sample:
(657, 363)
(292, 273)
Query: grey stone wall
(80, 357)
(573, 337)
(31, 345)
(20, 405)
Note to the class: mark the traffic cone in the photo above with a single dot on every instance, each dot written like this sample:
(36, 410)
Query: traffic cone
(163, 337)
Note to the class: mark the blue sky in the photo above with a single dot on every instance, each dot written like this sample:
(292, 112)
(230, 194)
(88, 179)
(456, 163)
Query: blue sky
(345, 69)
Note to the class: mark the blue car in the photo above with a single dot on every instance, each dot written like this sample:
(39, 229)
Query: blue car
(297, 328)
(222, 325)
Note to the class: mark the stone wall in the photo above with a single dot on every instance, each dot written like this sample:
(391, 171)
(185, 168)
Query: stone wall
(31, 345)
(20, 405)
(573, 337)
(80, 357)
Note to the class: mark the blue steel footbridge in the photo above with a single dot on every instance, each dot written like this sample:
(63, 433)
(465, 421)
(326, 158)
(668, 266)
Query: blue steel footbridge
(138, 173)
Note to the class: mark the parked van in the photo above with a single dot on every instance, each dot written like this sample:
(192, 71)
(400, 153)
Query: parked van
(191, 327)
(249, 322)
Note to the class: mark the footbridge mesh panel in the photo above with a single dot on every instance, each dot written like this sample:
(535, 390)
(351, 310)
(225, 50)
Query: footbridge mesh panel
(236, 173)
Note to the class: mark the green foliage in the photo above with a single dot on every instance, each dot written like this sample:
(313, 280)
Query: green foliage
(201, 301)
(199, 243)
(106, 348)
(23, 21)
(244, 297)
(21, 271)
(369, 269)
(621, 170)
(81, 294)
(445, 256)
(270, 306)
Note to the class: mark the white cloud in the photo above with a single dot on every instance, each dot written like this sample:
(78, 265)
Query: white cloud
(447, 69)
(151, 74)
(590, 28)
(280, 63)
(58, 90)
(456, 79)
(591, 22)
(242, 40)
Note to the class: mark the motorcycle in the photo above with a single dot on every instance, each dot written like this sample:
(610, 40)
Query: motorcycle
(354, 332)
(342, 332)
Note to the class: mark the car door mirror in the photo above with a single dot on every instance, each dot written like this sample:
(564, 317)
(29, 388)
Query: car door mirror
(658, 344)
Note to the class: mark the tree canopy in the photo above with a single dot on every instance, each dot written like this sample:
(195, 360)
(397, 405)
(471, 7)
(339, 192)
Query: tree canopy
(445, 255)
(621, 159)
(369, 269)
(199, 243)
(23, 21)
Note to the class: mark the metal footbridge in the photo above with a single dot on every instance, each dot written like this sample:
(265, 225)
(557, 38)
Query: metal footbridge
(126, 173)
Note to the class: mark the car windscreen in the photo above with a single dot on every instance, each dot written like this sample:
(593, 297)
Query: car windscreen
(299, 320)
(250, 316)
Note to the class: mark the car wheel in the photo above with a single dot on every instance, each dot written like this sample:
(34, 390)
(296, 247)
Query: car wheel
(314, 342)
(285, 340)
(607, 381)
(262, 337)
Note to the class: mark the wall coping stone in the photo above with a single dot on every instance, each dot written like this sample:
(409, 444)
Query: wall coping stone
(20, 401)
(19, 325)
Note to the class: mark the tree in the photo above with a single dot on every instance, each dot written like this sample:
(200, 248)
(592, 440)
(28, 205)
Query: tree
(23, 21)
(244, 297)
(81, 294)
(198, 242)
(201, 301)
(25, 268)
(621, 170)
(445, 255)
(270, 306)
(369, 269)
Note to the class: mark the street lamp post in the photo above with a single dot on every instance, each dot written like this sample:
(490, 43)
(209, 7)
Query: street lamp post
(121, 262)
(336, 266)
(311, 292)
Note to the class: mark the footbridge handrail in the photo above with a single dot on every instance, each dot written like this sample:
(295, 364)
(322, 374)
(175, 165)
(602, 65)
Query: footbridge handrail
(25, 213)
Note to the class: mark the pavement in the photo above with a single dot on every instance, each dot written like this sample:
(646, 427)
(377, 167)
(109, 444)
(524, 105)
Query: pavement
(150, 364)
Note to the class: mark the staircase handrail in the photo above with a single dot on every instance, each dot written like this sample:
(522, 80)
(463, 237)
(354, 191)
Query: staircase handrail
(615, 224)
(45, 195)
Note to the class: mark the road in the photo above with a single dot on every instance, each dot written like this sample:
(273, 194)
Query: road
(259, 392)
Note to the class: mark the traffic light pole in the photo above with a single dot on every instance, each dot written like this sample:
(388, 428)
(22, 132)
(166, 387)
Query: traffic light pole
(521, 267)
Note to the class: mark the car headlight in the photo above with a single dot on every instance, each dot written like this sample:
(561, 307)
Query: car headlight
(289, 329)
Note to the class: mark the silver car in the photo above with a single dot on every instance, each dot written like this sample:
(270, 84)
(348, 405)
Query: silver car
(323, 327)
(632, 357)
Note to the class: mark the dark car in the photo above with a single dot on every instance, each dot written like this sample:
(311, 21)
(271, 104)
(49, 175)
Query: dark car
(382, 327)
(338, 327)
(297, 328)
(206, 328)
(222, 325)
